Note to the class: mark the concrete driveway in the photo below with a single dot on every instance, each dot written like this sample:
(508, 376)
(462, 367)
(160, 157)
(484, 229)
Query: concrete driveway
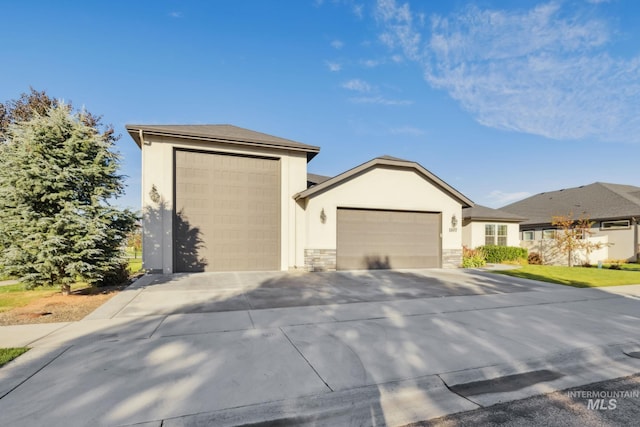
(348, 348)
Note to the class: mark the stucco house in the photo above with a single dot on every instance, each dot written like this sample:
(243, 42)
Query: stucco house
(482, 225)
(223, 198)
(613, 208)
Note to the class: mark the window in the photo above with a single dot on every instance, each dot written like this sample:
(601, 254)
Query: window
(502, 235)
(495, 234)
(548, 234)
(489, 234)
(624, 223)
(528, 235)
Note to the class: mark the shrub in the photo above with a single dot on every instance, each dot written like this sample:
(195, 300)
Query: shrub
(117, 276)
(534, 258)
(497, 254)
(472, 258)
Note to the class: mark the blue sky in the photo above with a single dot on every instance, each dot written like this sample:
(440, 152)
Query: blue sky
(501, 99)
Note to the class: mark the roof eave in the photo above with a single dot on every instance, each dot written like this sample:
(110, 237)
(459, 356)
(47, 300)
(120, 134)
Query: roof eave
(478, 218)
(135, 131)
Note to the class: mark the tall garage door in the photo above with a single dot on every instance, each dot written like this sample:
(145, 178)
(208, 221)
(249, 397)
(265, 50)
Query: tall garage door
(227, 212)
(378, 239)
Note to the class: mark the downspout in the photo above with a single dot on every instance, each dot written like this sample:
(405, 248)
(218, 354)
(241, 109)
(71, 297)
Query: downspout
(636, 238)
(142, 204)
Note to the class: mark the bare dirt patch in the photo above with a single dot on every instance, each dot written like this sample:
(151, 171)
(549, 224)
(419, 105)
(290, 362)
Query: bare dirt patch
(59, 308)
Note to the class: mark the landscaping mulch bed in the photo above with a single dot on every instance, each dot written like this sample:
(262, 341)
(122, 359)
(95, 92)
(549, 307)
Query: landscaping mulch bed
(60, 308)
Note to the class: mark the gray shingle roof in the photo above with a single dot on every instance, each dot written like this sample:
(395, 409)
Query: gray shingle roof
(483, 213)
(221, 133)
(313, 179)
(596, 201)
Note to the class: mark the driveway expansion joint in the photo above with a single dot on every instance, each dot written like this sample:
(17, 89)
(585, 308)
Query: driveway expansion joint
(33, 374)
(305, 359)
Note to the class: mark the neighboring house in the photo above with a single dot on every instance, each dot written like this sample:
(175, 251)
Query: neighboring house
(613, 208)
(486, 226)
(223, 198)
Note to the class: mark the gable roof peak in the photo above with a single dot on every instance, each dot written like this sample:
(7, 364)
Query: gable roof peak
(381, 161)
(392, 158)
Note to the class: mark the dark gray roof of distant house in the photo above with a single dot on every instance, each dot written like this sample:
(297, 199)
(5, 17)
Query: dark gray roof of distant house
(385, 161)
(596, 201)
(314, 179)
(483, 213)
(221, 133)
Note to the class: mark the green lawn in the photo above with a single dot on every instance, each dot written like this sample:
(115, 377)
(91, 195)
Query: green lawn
(578, 277)
(135, 264)
(13, 296)
(8, 354)
(626, 267)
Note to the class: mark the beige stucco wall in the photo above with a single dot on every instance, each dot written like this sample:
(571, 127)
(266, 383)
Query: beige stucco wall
(551, 255)
(622, 243)
(380, 188)
(157, 170)
(473, 233)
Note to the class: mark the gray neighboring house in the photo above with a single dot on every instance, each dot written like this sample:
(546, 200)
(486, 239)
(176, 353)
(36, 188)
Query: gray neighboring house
(614, 209)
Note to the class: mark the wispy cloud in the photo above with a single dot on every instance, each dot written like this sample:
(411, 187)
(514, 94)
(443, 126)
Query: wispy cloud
(357, 85)
(379, 100)
(175, 14)
(544, 71)
(358, 10)
(370, 63)
(333, 66)
(500, 198)
(337, 44)
(407, 130)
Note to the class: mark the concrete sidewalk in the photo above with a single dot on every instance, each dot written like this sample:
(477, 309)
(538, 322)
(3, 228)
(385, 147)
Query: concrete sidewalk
(389, 362)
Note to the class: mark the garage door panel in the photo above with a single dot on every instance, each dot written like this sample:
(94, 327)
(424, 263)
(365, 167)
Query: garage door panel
(373, 239)
(233, 205)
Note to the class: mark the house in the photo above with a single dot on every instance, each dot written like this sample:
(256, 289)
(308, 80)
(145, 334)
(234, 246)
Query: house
(482, 225)
(613, 208)
(224, 198)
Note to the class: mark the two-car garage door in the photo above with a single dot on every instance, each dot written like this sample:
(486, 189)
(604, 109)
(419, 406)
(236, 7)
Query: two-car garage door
(227, 212)
(379, 239)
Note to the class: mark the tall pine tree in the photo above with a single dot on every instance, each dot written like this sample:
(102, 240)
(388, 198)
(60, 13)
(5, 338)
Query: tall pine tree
(58, 172)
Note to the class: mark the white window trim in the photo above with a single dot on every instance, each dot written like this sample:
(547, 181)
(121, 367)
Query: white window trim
(533, 235)
(616, 227)
(549, 229)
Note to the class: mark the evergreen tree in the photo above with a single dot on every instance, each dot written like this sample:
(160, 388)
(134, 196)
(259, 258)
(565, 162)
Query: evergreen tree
(58, 172)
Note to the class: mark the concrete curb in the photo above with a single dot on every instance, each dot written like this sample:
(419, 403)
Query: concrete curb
(569, 369)
(394, 404)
